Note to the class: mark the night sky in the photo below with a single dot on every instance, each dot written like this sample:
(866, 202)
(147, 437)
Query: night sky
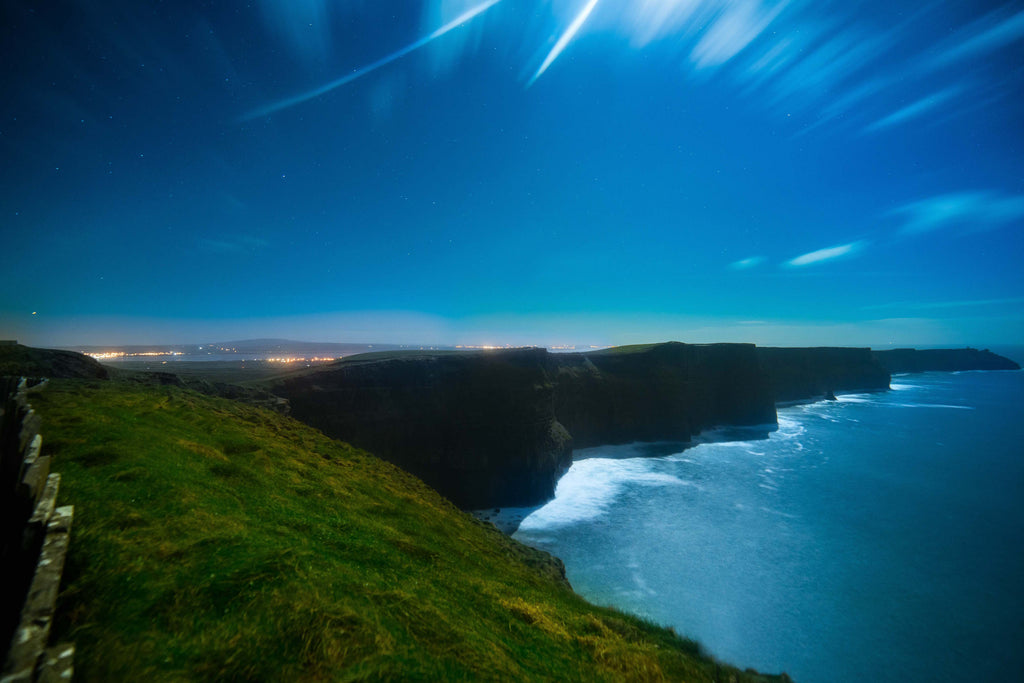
(512, 171)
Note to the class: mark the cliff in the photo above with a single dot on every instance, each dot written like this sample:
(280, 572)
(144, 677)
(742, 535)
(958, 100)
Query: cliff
(488, 429)
(948, 360)
(800, 374)
(477, 426)
(659, 392)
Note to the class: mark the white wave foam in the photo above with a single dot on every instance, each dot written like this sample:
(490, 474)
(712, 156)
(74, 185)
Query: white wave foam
(931, 405)
(727, 444)
(789, 428)
(636, 449)
(590, 486)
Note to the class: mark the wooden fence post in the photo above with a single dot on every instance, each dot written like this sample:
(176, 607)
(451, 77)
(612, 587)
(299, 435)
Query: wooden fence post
(35, 535)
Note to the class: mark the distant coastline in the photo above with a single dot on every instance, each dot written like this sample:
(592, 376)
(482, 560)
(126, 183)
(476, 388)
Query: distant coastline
(498, 428)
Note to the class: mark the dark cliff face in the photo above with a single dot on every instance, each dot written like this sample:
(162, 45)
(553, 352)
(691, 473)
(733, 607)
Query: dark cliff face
(947, 360)
(478, 426)
(486, 428)
(800, 374)
(661, 392)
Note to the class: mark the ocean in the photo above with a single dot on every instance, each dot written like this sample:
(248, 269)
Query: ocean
(878, 537)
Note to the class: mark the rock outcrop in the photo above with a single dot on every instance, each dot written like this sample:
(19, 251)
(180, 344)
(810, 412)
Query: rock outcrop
(815, 373)
(659, 392)
(946, 360)
(477, 426)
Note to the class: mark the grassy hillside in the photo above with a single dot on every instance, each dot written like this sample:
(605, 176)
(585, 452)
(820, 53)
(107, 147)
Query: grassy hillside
(218, 541)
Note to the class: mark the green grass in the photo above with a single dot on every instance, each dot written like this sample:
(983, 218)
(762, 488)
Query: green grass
(625, 350)
(241, 372)
(217, 541)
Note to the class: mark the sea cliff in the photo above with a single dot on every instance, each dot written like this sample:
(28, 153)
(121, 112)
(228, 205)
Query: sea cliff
(814, 373)
(477, 426)
(659, 392)
(497, 428)
(947, 360)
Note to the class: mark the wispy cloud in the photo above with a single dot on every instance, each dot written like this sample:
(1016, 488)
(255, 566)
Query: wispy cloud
(649, 20)
(736, 27)
(819, 57)
(990, 33)
(979, 210)
(817, 72)
(827, 254)
(744, 264)
(914, 110)
(359, 73)
(563, 41)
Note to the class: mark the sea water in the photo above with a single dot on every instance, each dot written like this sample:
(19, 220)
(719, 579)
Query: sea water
(878, 537)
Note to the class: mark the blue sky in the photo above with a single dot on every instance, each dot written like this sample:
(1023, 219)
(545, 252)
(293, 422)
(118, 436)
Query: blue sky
(503, 171)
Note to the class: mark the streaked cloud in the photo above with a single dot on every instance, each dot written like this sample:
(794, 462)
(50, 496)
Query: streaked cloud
(744, 264)
(990, 33)
(650, 20)
(818, 58)
(359, 73)
(443, 56)
(978, 210)
(563, 41)
(827, 254)
(738, 24)
(914, 110)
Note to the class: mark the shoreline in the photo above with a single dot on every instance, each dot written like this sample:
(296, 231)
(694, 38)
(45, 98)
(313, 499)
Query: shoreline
(508, 519)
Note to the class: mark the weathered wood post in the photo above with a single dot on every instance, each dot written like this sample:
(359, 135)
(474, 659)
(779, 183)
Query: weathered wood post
(35, 535)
